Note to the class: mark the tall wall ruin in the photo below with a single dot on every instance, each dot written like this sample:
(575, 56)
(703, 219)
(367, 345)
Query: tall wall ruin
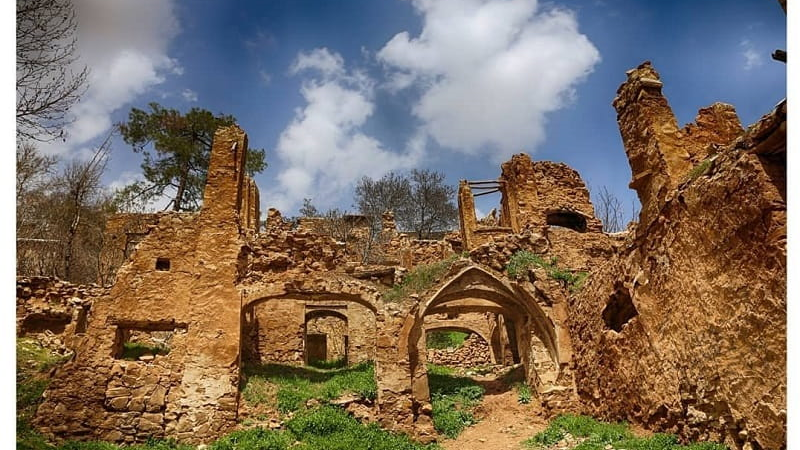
(180, 281)
(689, 316)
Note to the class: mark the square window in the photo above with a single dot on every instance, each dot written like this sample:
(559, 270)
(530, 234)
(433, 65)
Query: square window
(162, 264)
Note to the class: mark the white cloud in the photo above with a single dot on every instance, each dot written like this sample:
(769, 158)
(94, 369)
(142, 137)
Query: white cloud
(752, 58)
(322, 151)
(124, 44)
(489, 70)
(189, 95)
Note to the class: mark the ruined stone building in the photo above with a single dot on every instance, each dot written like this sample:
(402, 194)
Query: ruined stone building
(679, 326)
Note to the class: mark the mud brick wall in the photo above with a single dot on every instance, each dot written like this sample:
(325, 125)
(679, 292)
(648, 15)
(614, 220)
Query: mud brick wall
(689, 318)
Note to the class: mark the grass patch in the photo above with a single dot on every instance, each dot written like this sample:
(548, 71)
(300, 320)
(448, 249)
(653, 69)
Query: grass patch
(524, 394)
(131, 351)
(452, 398)
(420, 279)
(296, 385)
(33, 364)
(445, 339)
(522, 260)
(330, 428)
(599, 434)
(699, 169)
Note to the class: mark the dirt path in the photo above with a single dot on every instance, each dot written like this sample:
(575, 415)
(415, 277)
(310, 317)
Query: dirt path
(504, 424)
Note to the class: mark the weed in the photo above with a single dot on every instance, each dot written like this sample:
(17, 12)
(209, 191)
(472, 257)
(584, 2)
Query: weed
(445, 339)
(452, 398)
(420, 279)
(597, 435)
(524, 394)
(699, 169)
(523, 260)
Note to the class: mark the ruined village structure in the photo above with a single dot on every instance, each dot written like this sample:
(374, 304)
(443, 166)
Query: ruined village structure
(680, 325)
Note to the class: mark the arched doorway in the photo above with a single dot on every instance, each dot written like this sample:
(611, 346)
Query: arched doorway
(326, 337)
(531, 334)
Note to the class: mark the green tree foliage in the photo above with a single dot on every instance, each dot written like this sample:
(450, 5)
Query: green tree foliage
(176, 149)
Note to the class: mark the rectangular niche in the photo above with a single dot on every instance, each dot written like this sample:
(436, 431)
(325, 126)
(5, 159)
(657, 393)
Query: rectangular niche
(146, 341)
(162, 264)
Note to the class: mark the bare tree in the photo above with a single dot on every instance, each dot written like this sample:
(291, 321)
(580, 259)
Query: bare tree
(609, 210)
(421, 202)
(432, 208)
(81, 184)
(60, 218)
(308, 209)
(48, 81)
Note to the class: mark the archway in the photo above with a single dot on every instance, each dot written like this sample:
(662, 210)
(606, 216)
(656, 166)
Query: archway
(276, 317)
(530, 332)
(326, 337)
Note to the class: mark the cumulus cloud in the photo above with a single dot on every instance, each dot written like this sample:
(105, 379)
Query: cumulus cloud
(752, 58)
(489, 71)
(323, 151)
(124, 44)
(189, 95)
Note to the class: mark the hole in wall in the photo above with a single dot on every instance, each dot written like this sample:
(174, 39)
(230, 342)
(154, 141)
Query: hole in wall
(619, 310)
(567, 219)
(145, 342)
(162, 264)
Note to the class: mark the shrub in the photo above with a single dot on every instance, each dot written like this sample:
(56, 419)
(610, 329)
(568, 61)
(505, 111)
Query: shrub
(421, 278)
(523, 260)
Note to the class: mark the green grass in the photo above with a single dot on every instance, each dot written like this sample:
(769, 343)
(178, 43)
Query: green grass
(33, 363)
(445, 339)
(297, 385)
(452, 398)
(524, 394)
(598, 434)
(420, 279)
(133, 350)
(523, 260)
(323, 428)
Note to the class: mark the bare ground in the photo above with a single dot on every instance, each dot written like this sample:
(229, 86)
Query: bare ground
(504, 422)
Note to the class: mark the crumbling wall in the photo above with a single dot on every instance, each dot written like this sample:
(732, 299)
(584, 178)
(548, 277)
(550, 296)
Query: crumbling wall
(54, 311)
(473, 352)
(684, 330)
(121, 235)
(182, 277)
(282, 249)
(535, 196)
(273, 332)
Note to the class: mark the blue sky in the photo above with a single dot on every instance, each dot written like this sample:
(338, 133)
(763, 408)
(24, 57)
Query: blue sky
(337, 90)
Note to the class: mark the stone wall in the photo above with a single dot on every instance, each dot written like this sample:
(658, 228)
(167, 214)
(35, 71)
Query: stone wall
(473, 352)
(182, 277)
(53, 311)
(534, 195)
(275, 329)
(684, 330)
